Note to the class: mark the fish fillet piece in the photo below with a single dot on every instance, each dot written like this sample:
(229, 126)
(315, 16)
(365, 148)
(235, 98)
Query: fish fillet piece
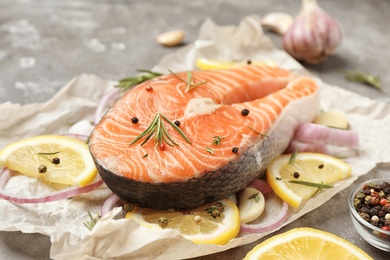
(188, 175)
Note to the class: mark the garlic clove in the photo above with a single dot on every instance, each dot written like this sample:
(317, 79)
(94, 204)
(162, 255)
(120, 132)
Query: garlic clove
(277, 22)
(314, 34)
(252, 204)
(171, 38)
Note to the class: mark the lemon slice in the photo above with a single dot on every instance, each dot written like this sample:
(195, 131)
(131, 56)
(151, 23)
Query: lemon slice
(209, 64)
(213, 223)
(307, 167)
(53, 158)
(306, 243)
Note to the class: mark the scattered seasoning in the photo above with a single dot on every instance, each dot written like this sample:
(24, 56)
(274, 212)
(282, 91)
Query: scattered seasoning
(128, 207)
(197, 219)
(372, 203)
(320, 166)
(245, 112)
(163, 222)
(249, 62)
(215, 211)
(149, 88)
(257, 132)
(296, 175)
(255, 196)
(42, 168)
(189, 81)
(312, 184)
(364, 78)
(278, 178)
(218, 139)
(177, 122)
(55, 160)
(145, 155)
(134, 120)
(235, 149)
(162, 147)
(209, 150)
(92, 221)
(158, 129)
(129, 82)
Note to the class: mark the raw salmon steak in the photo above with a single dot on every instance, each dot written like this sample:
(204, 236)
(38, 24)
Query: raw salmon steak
(211, 133)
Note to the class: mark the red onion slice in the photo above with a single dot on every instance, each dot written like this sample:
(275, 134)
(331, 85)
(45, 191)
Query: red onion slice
(105, 102)
(260, 185)
(274, 215)
(5, 175)
(310, 133)
(315, 147)
(109, 204)
(59, 195)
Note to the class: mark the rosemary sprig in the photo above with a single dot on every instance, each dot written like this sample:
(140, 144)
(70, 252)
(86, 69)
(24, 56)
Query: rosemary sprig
(92, 221)
(312, 184)
(189, 81)
(129, 82)
(218, 139)
(257, 132)
(365, 78)
(52, 153)
(160, 132)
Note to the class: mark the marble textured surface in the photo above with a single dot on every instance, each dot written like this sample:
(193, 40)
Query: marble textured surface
(43, 44)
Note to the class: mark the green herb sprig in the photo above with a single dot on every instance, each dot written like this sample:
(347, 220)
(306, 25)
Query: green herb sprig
(365, 78)
(92, 221)
(257, 132)
(129, 82)
(218, 139)
(312, 184)
(255, 196)
(160, 132)
(189, 81)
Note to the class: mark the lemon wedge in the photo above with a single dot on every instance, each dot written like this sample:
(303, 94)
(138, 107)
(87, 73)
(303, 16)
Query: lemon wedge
(53, 158)
(209, 64)
(306, 243)
(306, 167)
(213, 223)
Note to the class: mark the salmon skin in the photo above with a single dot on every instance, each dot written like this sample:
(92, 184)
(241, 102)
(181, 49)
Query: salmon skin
(214, 132)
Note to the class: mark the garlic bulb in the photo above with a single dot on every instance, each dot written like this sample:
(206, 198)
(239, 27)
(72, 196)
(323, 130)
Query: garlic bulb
(277, 22)
(313, 36)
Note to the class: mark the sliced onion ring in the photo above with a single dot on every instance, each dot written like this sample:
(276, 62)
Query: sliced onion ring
(260, 185)
(315, 147)
(105, 102)
(109, 204)
(5, 175)
(309, 132)
(273, 221)
(59, 195)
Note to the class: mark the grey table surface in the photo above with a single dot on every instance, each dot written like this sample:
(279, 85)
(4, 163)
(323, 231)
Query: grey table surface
(44, 44)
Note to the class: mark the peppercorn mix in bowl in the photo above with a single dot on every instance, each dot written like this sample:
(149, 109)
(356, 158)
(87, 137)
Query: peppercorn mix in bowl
(369, 205)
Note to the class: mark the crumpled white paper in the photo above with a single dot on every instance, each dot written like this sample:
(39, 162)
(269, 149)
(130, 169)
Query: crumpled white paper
(120, 238)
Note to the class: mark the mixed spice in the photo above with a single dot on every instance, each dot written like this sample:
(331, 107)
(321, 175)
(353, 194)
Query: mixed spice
(372, 203)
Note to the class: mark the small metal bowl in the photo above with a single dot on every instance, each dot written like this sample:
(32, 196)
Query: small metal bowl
(372, 234)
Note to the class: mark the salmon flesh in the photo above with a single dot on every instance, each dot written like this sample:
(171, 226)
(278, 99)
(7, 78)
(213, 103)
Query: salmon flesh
(210, 133)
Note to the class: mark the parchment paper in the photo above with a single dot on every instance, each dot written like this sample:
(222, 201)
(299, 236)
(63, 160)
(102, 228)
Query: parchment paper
(111, 238)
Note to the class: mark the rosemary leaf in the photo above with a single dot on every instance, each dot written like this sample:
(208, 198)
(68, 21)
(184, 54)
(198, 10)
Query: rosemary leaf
(218, 139)
(129, 82)
(49, 153)
(92, 221)
(254, 130)
(365, 78)
(312, 184)
(176, 128)
(292, 158)
(209, 150)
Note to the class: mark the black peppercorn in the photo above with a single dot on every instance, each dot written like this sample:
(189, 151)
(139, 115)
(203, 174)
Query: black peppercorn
(249, 62)
(134, 120)
(245, 112)
(296, 175)
(235, 149)
(42, 168)
(55, 160)
(177, 123)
